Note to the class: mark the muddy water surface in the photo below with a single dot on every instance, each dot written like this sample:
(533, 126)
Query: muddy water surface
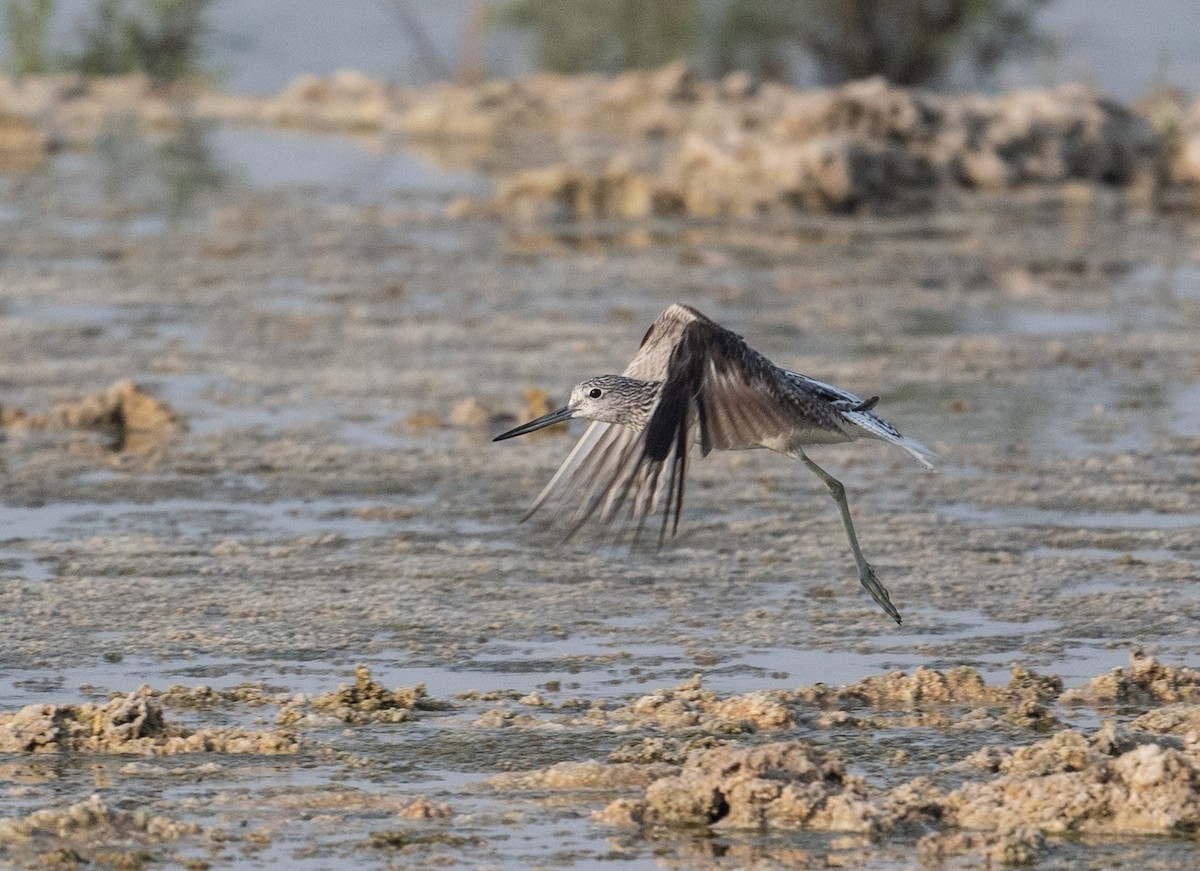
(333, 503)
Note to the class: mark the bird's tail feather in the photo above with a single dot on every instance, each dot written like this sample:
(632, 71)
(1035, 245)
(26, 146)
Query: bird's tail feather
(880, 429)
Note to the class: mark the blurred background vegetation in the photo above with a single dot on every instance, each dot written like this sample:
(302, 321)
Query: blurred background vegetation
(27, 24)
(910, 42)
(942, 43)
(161, 38)
(259, 45)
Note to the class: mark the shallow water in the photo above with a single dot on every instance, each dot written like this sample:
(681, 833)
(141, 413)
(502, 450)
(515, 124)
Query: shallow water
(360, 172)
(321, 510)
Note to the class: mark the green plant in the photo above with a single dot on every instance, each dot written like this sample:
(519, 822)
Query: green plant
(578, 35)
(910, 42)
(26, 23)
(160, 38)
(105, 46)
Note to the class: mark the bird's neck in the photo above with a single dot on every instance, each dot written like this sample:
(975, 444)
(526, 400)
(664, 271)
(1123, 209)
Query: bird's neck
(637, 404)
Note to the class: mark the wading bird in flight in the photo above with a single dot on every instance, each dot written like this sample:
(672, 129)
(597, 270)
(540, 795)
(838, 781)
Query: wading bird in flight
(693, 382)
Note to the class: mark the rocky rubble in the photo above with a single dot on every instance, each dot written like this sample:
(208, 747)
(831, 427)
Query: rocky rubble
(1183, 167)
(581, 776)
(87, 832)
(1114, 781)
(957, 686)
(863, 144)
(127, 724)
(701, 765)
(1146, 682)
(689, 705)
(785, 784)
(89, 816)
(691, 716)
(23, 146)
(1170, 720)
(928, 696)
(364, 701)
(1072, 783)
(664, 142)
(137, 422)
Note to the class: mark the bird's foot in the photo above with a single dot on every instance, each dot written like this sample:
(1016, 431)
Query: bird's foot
(878, 591)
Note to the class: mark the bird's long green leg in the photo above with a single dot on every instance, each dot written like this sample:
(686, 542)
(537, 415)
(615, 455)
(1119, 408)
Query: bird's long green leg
(865, 573)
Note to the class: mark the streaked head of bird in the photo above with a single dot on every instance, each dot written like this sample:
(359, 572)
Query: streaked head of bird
(614, 399)
(607, 398)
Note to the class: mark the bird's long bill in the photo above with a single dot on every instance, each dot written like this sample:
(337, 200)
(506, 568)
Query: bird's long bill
(543, 421)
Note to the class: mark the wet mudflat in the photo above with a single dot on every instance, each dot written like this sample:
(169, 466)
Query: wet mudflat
(338, 357)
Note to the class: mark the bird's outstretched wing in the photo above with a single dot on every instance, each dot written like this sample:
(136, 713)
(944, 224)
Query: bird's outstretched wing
(597, 471)
(715, 390)
(723, 394)
(653, 357)
(740, 399)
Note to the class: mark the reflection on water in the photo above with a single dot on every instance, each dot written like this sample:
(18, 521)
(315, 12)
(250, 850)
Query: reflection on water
(133, 184)
(151, 186)
(187, 168)
(348, 170)
(18, 565)
(1184, 409)
(1144, 555)
(130, 184)
(1047, 417)
(204, 518)
(1031, 516)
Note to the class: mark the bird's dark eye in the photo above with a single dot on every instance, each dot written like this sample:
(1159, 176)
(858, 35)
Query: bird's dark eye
(595, 393)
